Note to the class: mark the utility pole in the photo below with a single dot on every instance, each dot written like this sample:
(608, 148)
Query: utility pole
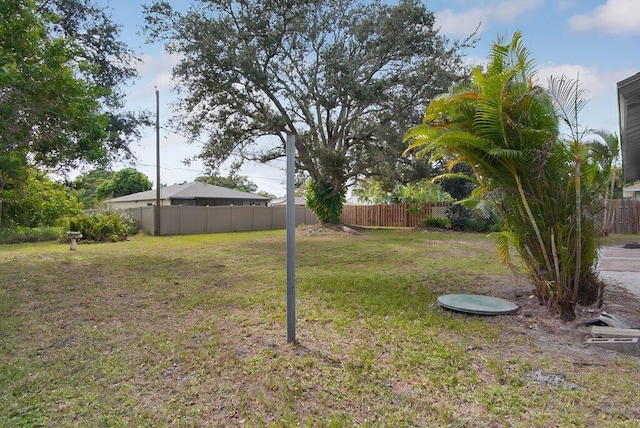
(157, 210)
(291, 239)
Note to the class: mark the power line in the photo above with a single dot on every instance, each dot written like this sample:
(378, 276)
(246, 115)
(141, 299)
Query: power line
(202, 172)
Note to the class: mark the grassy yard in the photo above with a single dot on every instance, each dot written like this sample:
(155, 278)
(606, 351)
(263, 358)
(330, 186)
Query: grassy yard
(191, 331)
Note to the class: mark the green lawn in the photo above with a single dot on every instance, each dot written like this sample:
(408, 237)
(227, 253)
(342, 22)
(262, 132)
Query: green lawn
(191, 331)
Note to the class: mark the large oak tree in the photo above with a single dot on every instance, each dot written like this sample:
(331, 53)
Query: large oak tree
(347, 78)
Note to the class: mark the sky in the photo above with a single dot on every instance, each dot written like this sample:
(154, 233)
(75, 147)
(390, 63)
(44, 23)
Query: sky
(595, 41)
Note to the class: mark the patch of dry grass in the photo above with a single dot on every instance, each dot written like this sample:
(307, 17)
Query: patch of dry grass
(191, 331)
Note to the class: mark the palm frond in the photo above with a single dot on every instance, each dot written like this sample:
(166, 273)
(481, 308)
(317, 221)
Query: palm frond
(506, 153)
(504, 239)
(453, 176)
(568, 98)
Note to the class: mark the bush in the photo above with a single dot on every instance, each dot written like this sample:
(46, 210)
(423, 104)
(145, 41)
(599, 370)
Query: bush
(17, 235)
(101, 227)
(462, 218)
(441, 223)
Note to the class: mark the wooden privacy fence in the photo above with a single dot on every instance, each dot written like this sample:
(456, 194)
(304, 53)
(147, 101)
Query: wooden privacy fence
(396, 215)
(624, 215)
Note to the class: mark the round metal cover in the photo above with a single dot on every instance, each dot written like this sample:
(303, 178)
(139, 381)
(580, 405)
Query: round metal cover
(476, 304)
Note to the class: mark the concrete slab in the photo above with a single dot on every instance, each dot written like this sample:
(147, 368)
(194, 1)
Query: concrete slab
(620, 266)
(619, 259)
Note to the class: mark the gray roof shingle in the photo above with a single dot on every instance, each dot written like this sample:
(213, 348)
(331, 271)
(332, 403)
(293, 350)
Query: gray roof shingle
(190, 191)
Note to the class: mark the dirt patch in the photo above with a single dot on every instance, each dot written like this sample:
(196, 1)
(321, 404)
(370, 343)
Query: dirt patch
(559, 338)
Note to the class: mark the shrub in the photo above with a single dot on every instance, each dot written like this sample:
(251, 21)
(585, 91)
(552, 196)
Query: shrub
(442, 223)
(17, 235)
(462, 218)
(100, 227)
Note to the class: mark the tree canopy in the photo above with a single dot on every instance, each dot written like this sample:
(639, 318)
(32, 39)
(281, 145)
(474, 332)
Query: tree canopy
(347, 78)
(62, 67)
(124, 182)
(231, 181)
(60, 102)
(84, 187)
(423, 191)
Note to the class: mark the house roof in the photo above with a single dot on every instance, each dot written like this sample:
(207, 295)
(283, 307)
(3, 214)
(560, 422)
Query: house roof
(299, 200)
(629, 111)
(194, 190)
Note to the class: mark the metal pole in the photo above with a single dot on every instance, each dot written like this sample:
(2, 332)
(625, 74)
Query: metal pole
(157, 210)
(291, 239)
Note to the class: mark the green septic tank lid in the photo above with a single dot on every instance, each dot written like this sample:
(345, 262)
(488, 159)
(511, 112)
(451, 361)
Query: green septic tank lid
(476, 304)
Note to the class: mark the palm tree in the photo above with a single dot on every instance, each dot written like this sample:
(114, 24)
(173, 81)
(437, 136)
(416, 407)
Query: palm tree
(605, 152)
(507, 129)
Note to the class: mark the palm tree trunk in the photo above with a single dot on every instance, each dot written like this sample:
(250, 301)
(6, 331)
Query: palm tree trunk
(609, 226)
(607, 214)
(534, 224)
(578, 267)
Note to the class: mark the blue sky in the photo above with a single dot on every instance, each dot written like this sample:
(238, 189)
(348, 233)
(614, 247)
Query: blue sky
(595, 40)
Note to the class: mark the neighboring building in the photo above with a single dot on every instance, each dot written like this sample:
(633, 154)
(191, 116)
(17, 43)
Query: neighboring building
(193, 194)
(300, 201)
(632, 192)
(629, 111)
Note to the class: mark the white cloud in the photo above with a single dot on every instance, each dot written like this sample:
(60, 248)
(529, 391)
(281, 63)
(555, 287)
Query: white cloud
(154, 64)
(475, 60)
(600, 91)
(463, 23)
(618, 17)
(509, 10)
(596, 84)
(591, 82)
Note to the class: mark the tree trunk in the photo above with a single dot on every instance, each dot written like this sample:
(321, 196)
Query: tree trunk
(578, 264)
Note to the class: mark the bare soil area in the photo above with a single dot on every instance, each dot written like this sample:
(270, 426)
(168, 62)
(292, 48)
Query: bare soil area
(566, 339)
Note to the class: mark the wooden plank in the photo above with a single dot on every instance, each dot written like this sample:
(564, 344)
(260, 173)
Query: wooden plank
(604, 331)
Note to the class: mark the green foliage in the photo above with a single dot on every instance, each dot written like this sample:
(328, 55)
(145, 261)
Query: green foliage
(19, 234)
(37, 201)
(124, 182)
(101, 227)
(321, 70)
(462, 218)
(325, 201)
(85, 186)
(232, 181)
(423, 191)
(60, 98)
(441, 223)
(604, 157)
(507, 131)
(459, 182)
